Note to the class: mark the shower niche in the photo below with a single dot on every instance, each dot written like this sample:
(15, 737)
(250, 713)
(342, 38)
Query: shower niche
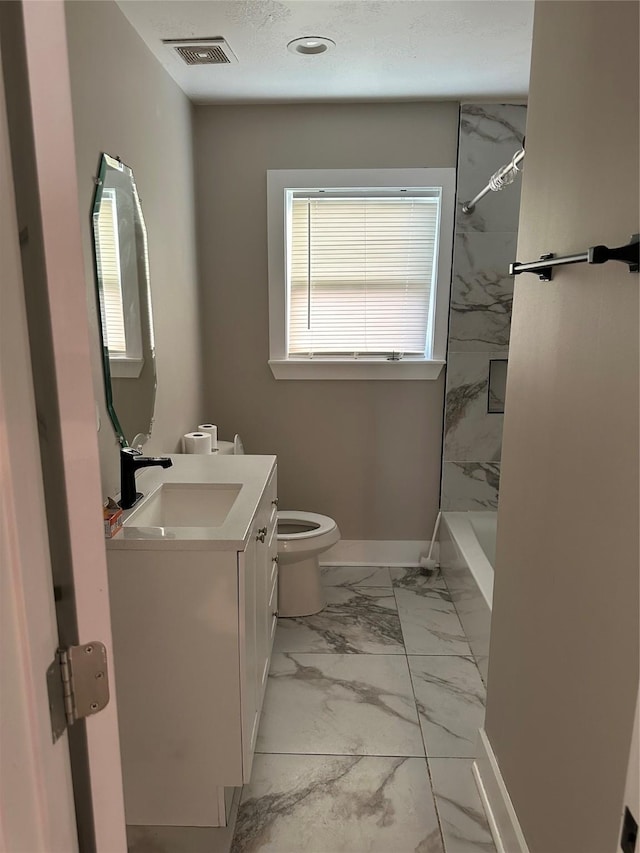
(497, 386)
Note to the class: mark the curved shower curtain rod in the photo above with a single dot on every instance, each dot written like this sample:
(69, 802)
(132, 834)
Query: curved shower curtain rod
(500, 179)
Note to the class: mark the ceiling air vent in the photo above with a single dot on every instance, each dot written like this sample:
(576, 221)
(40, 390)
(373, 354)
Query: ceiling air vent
(209, 51)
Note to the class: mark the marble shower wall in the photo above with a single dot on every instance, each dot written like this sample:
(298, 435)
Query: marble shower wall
(481, 298)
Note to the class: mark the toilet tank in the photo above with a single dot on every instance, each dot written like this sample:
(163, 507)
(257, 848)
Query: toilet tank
(230, 448)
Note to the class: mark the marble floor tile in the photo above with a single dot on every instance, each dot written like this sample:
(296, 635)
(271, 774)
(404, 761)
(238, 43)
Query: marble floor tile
(350, 576)
(450, 696)
(430, 624)
(337, 804)
(355, 620)
(337, 704)
(417, 579)
(462, 818)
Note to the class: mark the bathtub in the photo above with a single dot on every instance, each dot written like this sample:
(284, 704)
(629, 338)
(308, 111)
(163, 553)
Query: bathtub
(467, 557)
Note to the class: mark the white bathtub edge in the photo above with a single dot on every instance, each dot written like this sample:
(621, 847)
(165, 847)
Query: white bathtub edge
(471, 552)
(469, 578)
(503, 820)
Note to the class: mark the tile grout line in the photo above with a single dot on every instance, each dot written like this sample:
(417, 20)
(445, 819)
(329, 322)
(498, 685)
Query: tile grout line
(471, 653)
(424, 743)
(397, 654)
(368, 755)
(484, 685)
(362, 755)
(415, 701)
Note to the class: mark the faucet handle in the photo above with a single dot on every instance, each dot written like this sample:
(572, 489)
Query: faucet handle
(130, 451)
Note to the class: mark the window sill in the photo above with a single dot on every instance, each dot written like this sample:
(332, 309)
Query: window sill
(125, 368)
(289, 368)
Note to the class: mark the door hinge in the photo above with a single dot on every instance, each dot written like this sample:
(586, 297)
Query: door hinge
(78, 685)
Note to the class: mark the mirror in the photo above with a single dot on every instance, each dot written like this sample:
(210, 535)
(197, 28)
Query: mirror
(124, 296)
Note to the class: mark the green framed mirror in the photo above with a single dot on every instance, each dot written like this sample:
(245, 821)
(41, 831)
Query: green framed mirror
(124, 297)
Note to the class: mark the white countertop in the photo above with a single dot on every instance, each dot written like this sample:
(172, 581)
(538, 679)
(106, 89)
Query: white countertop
(250, 472)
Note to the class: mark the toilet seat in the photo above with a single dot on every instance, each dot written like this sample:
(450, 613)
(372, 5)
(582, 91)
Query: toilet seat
(300, 590)
(318, 525)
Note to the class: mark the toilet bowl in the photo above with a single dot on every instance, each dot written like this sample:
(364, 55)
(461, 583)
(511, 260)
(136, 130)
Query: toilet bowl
(302, 537)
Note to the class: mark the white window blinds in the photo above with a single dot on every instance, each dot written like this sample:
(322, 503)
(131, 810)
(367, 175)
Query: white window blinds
(361, 275)
(110, 281)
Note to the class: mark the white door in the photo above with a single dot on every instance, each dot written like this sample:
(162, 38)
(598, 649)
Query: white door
(36, 800)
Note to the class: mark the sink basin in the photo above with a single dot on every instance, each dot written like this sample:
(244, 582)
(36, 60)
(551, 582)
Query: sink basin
(186, 505)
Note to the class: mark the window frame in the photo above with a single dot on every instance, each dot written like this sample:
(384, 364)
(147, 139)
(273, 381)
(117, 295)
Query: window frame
(361, 181)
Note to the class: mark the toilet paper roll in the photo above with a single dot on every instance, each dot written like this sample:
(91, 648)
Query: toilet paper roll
(212, 429)
(196, 442)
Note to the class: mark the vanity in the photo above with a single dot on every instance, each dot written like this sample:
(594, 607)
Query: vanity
(193, 574)
(193, 580)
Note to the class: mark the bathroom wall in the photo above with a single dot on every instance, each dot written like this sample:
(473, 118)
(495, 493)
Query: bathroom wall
(365, 452)
(481, 298)
(125, 104)
(563, 670)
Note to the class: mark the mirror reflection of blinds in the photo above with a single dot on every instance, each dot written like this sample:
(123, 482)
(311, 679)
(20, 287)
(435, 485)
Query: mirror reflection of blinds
(362, 272)
(109, 264)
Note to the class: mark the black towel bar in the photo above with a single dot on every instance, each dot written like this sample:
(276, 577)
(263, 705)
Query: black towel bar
(628, 254)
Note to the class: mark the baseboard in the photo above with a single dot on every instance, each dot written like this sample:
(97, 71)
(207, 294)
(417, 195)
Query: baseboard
(502, 817)
(376, 552)
(195, 839)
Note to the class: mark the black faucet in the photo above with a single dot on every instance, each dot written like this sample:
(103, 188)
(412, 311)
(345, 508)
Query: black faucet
(130, 460)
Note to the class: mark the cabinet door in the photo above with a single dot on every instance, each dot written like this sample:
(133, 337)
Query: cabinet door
(255, 565)
(248, 652)
(272, 609)
(267, 551)
(272, 583)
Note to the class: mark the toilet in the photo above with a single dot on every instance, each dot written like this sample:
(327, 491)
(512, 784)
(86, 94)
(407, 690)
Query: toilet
(302, 537)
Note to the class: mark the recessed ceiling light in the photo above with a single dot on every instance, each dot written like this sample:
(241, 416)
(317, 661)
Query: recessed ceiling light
(310, 45)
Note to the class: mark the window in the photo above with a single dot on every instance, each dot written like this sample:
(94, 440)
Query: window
(359, 270)
(118, 281)
(109, 261)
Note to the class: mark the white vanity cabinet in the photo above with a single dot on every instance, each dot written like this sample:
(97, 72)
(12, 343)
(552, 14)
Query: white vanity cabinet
(193, 625)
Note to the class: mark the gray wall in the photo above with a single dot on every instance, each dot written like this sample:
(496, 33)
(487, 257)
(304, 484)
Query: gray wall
(365, 452)
(481, 297)
(563, 670)
(124, 103)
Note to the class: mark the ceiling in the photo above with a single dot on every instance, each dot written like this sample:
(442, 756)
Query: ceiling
(385, 49)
